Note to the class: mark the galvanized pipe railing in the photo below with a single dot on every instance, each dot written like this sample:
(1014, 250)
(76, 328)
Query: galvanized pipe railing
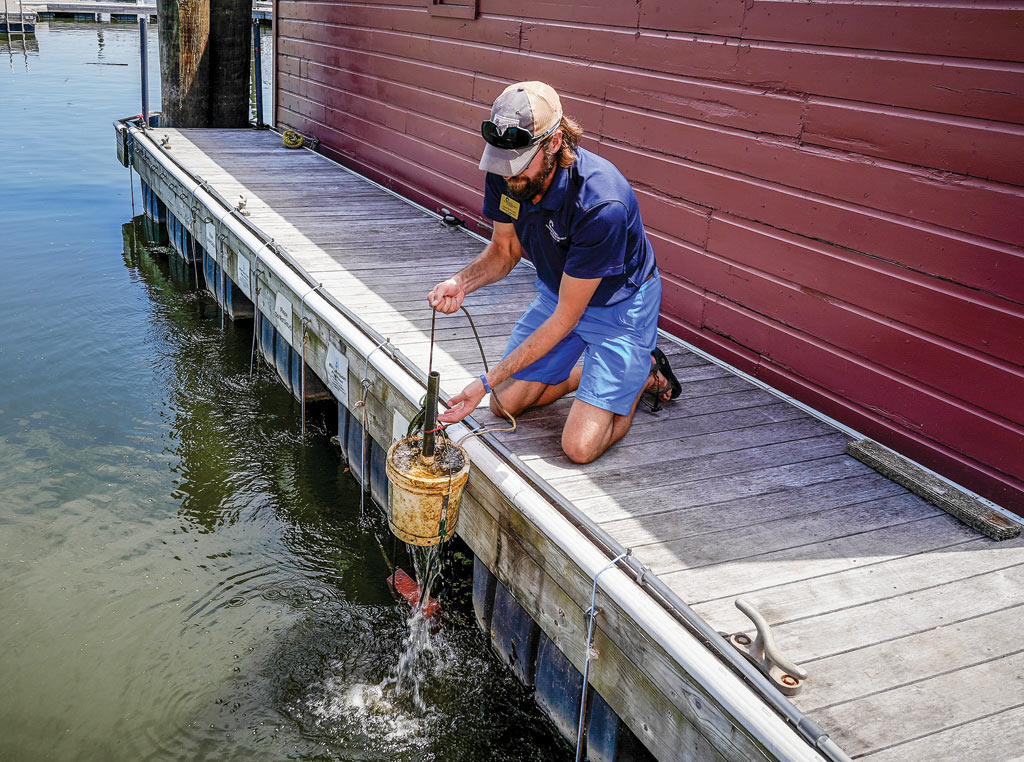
(144, 67)
(257, 75)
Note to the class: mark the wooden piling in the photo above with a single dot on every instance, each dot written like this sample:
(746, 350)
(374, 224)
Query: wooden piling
(204, 62)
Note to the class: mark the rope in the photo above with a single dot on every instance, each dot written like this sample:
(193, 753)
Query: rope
(192, 235)
(303, 322)
(494, 392)
(131, 185)
(430, 357)
(254, 289)
(292, 139)
(363, 458)
(592, 613)
(218, 255)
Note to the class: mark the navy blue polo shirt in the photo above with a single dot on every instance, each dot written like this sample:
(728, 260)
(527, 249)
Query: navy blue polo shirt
(586, 225)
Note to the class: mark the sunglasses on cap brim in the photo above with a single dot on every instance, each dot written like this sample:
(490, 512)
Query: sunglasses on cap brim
(511, 138)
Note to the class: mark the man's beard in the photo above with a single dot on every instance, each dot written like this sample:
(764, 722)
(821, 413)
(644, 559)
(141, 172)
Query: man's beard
(523, 189)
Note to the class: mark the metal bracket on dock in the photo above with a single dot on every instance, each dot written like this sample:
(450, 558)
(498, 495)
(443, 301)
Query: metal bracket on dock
(450, 221)
(764, 654)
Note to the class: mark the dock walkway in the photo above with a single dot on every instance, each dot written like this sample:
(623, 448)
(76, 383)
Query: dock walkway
(906, 620)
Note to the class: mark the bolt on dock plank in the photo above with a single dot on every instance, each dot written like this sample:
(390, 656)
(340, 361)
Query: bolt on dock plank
(886, 601)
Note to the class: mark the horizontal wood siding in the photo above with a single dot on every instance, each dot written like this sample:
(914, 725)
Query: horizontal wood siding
(835, 190)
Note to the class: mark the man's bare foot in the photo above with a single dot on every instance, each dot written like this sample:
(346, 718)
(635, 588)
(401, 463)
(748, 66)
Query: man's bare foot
(657, 385)
(662, 385)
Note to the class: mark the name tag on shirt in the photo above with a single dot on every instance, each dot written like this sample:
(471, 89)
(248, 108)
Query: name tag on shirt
(509, 207)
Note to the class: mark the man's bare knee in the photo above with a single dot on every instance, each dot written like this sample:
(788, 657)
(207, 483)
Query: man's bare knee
(579, 455)
(590, 431)
(580, 451)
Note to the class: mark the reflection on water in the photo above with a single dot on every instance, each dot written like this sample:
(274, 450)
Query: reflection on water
(185, 576)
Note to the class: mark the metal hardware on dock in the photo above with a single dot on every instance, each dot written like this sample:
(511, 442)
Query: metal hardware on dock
(765, 655)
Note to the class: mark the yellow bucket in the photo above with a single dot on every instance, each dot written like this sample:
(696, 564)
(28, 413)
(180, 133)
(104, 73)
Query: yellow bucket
(424, 504)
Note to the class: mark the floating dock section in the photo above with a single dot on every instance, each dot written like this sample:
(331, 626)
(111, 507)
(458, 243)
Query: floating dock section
(731, 491)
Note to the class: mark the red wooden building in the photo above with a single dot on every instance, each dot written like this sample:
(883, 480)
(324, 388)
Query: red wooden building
(835, 190)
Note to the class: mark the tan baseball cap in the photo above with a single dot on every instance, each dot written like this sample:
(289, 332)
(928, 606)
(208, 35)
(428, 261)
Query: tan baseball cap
(530, 106)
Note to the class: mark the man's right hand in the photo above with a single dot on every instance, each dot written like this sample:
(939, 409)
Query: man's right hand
(446, 296)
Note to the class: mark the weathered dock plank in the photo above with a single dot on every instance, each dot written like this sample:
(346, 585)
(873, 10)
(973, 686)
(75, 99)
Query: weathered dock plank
(683, 448)
(785, 533)
(706, 462)
(997, 736)
(781, 566)
(964, 639)
(779, 485)
(744, 516)
(901, 577)
(884, 621)
(933, 705)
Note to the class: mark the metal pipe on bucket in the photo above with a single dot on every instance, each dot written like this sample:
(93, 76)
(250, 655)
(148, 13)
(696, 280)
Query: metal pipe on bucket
(430, 414)
(144, 65)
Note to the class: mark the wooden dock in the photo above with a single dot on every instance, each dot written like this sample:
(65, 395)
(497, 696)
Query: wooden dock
(905, 619)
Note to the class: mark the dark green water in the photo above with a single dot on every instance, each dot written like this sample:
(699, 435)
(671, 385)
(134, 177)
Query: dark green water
(184, 578)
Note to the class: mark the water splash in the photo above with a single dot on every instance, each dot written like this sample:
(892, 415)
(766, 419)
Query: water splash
(375, 714)
(420, 655)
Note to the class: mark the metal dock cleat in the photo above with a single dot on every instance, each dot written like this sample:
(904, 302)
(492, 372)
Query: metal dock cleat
(763, 653)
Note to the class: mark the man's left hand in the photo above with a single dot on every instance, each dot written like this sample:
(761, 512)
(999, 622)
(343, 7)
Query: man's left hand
(464, 403)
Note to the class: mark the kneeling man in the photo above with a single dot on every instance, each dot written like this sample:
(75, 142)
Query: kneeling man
(575, 217)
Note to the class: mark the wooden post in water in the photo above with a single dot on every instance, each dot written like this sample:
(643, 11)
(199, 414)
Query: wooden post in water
(204, 62)
(231, 52)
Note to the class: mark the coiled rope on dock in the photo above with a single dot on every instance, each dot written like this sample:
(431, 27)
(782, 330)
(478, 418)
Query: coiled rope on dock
(292, 139)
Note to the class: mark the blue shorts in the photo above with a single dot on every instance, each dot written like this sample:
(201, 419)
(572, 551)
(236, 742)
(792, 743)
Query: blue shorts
(615, 342)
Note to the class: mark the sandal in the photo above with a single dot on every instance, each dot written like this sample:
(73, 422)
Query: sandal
(672, 383)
